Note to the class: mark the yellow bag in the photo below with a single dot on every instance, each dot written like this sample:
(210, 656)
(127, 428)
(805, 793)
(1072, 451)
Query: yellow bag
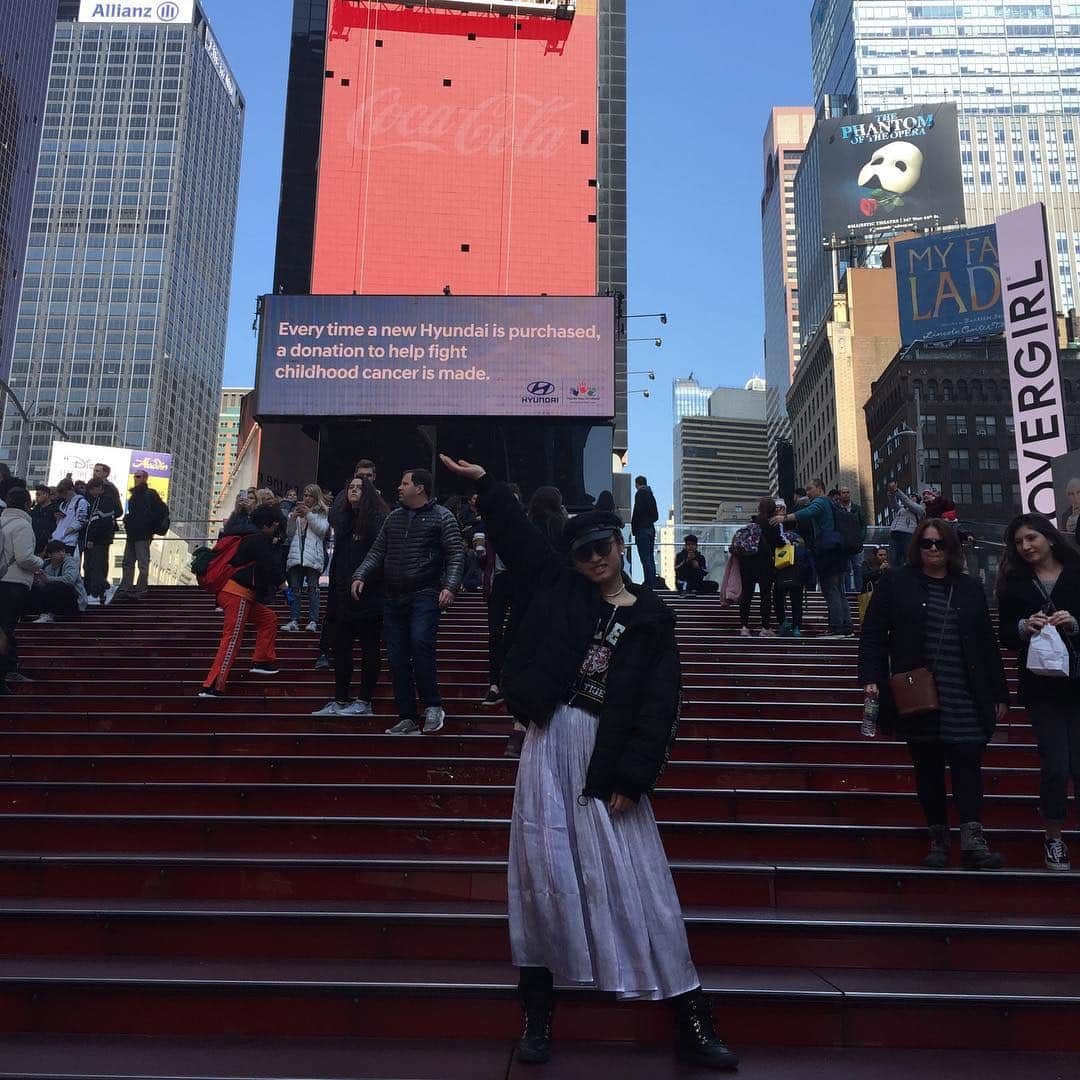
(864, 603)
(784, 556)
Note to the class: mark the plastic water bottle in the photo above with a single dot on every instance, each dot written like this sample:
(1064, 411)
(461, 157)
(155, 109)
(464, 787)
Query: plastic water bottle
(868, 727)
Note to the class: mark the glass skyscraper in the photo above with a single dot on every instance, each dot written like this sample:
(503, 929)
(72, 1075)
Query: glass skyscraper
(1014, 72)
(26, 38)
(121, 327)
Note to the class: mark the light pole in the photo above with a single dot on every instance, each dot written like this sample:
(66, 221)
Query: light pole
(920, 452)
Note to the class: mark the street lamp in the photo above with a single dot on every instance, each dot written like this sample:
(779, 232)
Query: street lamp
(650, 374)
(661, 315)
(656, 341)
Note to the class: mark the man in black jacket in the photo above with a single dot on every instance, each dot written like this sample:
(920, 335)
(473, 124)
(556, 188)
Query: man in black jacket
(643, 526)
(98, 537)
(145, 517)
(421, 556)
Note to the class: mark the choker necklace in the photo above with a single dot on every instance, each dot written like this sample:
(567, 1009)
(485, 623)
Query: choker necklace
(610, 595)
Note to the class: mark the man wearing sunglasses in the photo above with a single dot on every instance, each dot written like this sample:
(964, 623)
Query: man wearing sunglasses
(146, 515)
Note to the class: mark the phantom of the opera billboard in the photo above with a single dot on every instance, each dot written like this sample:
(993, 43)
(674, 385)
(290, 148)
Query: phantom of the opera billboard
(885, 172)
(408, 356)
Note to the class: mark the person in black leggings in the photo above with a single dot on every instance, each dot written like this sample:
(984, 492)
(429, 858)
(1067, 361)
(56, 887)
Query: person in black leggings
(757, 570)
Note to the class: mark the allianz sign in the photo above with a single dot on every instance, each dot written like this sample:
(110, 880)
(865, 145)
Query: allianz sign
(158, 11)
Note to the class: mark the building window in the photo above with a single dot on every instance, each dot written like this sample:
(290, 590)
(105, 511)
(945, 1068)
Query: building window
(989, 460)
(933, 457)
(956, 425)
(959, 459)
(985, 425)
(962, 493)
(928, 424)
(992, 493)
(1012, 460)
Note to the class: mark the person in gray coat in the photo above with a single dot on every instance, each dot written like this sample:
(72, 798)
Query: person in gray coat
(17, 569)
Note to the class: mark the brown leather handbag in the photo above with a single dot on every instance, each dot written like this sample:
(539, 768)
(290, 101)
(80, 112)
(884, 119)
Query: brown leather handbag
(915, 692)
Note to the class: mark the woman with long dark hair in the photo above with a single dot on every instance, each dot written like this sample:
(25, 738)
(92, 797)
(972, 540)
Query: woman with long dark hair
(1039, 587)
(929, 614)
(756, 569)
(595, 672)
(356, 525)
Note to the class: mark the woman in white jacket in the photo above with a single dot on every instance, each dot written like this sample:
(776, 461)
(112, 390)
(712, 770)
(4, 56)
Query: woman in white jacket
(17, 571)
(308, 525)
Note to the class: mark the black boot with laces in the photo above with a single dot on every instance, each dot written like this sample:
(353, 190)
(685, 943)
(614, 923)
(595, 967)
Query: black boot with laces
(535, 989)
(696, 1040)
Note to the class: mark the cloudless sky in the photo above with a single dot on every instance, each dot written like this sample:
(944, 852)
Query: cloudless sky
(702, 75)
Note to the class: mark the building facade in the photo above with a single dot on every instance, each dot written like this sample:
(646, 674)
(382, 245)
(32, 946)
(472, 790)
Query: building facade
(689, 398)
(26, 38)
(721, 463)
(782, 149)
(121, 327)
(833, 381)
(228, 436)
(1013, 71)
(957, 400)
(460, 149)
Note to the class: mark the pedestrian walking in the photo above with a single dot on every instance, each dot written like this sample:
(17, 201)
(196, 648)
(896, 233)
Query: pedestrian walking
(306, 530)
(359, 619)
(1039, 598)
(643, 525)
(421, 557)
(595, 671)
(928, 652)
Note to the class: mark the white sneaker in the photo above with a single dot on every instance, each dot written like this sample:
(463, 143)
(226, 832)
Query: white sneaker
(334, 708)
(767, 633)
(356, 707)
(744, 631)
(405, 727)
(434, 718)
(312, 627)
(46, 618)
(291, 627)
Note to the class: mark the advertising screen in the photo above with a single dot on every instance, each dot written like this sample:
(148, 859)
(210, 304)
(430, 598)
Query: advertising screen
(436, 356)
(884, 172)
(77, 460)
(948, 286)
(1066, 473)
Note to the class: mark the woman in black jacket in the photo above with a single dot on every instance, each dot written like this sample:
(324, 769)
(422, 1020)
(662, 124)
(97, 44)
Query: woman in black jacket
(1039, 586)
(356, 525)
(757, 569)
(594, 670)
(929, 614)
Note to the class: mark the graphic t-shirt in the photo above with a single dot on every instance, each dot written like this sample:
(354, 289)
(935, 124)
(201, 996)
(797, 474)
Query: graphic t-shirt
(590, 687)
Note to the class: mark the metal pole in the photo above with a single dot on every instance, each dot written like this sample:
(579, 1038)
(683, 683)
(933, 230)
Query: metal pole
(920, 454)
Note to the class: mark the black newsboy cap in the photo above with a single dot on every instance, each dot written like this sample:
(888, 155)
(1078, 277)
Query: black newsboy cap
(590, 526)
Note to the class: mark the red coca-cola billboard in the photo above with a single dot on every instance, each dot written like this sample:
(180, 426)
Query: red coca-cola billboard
(458, 149)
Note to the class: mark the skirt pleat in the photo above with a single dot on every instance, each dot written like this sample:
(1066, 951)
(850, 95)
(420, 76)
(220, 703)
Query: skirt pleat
(591, 896)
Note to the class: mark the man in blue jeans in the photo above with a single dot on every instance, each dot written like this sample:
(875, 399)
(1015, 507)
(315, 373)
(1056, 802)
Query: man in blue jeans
(813, 521)
(643, 526)
(421, 557)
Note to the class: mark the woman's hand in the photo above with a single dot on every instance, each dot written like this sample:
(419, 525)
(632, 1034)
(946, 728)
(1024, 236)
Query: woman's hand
(1034, 623)
(446, 598)
(619, 804)
(1063, 620)
(357, 589)
(872, 690)
(1001, 710)
(463, 468)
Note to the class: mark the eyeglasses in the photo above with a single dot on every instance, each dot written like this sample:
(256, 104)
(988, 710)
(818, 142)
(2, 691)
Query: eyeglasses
(597, 547)
(926, 544)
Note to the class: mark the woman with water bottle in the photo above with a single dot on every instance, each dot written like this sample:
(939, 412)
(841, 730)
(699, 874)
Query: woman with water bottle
(929, 655)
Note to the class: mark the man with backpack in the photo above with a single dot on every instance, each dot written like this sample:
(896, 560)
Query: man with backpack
(147, 516)
(244, 572)
(819, 522)
(71, 515)
(18, 565)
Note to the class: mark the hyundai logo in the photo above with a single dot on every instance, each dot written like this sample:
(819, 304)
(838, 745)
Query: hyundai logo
(541, 389)
(169, 11)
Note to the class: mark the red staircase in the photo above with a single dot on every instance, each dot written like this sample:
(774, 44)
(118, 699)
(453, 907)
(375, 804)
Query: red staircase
(202, 888)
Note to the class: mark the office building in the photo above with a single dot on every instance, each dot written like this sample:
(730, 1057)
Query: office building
(832, 383)
(228, 436)
(782, 150)
(721, 464)
(943, 416)
(456, 148)
(1014, 72)
(689, 398)
(121, 327)
(26, 37)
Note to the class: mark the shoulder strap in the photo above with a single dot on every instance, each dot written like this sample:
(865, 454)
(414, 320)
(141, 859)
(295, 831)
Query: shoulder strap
(944, 625)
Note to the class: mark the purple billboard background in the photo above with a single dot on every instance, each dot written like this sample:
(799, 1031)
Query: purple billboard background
(436, 356)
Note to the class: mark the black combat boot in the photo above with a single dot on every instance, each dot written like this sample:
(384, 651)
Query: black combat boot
(975, 852)
(938, 858)
(535, 989)
(696, 1040)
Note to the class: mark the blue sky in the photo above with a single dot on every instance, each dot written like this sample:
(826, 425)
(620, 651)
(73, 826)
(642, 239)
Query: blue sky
(702, 78)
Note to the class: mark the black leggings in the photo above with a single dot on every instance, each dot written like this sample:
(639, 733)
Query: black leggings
(795, 595)
(368, 632)
(753, 572)
(964, 761)
(499, 604)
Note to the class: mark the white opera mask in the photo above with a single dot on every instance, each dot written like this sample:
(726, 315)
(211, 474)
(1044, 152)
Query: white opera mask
(897, 167)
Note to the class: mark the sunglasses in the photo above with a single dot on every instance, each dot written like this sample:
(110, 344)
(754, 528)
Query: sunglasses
(598, 547)
(926, 545)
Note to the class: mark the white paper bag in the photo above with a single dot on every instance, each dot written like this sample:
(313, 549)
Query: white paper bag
(1048, 655)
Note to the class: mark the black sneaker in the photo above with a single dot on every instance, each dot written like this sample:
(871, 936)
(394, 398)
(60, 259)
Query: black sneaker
(492, 697)
(210, 691)
(1056, 854)
(322, 663)
(16, 677)
(265, 669)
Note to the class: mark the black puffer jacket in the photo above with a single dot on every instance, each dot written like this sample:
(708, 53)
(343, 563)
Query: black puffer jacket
(893, 639)
(640, 713)
(417, 549)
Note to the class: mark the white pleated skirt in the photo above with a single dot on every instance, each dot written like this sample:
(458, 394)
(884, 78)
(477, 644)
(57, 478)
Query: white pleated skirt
(590, 893)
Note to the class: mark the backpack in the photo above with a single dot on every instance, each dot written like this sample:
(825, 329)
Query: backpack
(213, 566)
(162, 525)
(847, 525)
(747, 540)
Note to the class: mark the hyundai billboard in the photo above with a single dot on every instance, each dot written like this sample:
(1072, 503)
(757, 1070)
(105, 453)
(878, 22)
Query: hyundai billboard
(334, 356)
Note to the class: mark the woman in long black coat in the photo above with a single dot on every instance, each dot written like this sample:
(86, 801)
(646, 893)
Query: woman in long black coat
(929, 613)
(594, 671)
(1039, 587)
